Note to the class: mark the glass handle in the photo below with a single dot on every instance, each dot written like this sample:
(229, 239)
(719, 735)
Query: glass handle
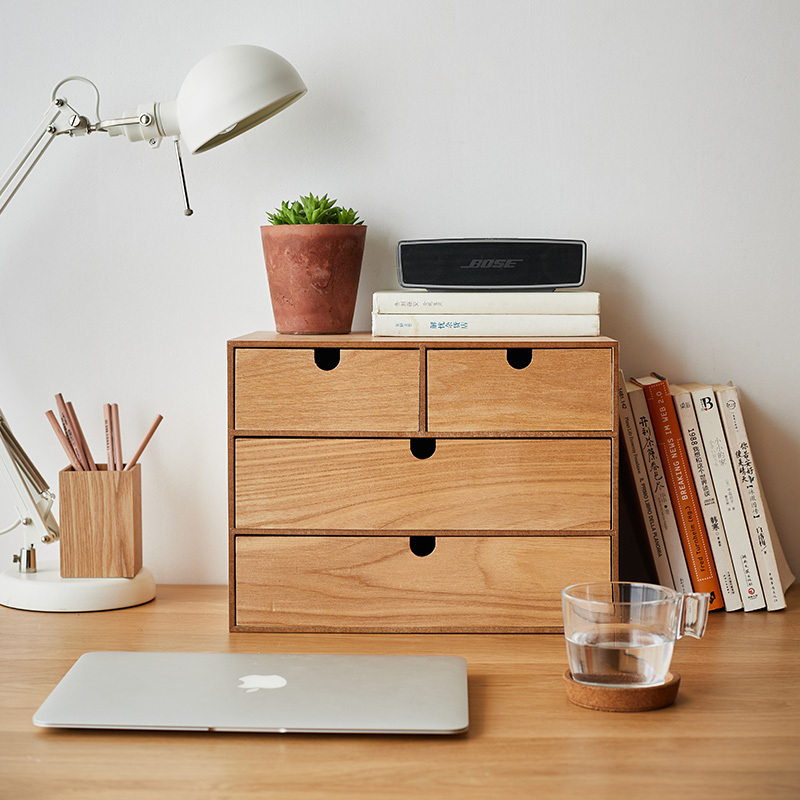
(695, 614)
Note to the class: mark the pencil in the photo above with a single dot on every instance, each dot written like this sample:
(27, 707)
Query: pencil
(69, 431)
(73, 459)
(109, 437)
(146, 439)
(117, 436)
(81, 438)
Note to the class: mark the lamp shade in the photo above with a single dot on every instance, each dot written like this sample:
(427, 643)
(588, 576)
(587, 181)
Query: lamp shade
(230, 91)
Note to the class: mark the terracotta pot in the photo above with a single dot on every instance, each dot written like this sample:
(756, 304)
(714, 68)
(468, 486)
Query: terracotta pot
(313, 273)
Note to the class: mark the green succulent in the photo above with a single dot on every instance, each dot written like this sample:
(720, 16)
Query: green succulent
(313, 210)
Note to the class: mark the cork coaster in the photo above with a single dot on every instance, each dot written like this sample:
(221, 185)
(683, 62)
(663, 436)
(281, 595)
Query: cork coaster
(623, 698)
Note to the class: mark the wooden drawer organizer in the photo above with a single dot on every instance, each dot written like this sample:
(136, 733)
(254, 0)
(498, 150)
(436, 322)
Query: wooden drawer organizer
(418, 485)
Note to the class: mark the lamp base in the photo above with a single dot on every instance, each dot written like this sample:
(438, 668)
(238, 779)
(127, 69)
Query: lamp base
(46, 590)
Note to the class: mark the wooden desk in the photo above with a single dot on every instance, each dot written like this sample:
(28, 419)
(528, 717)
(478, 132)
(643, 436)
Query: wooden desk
(733, 733)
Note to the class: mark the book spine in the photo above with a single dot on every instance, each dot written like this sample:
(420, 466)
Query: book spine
(716, 447)
(486, 302)
(684, 408)
(686, 506)
(751, 495)
(784, 570)
(655, 470)
(485, 325)
(638, 469)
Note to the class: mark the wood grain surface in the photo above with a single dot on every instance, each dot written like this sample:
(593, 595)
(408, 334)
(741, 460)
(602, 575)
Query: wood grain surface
(559, 390)
(361, 436)
(100, 515)
(467, 484)
(733, 732)
(284, 389)
(378, 583)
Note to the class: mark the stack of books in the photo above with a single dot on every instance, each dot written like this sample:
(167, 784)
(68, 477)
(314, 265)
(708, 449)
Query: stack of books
(524, 313)
(707, 523)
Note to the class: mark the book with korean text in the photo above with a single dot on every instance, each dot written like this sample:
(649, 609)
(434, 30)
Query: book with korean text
(424, 302)
(485, 324)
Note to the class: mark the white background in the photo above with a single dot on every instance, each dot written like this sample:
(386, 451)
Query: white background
(664, 134)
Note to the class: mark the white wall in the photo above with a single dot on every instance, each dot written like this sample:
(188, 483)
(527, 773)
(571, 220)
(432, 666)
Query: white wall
(665, 134)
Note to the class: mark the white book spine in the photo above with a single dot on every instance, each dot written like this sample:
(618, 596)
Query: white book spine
(719, 465)
(704, 486)
(751, 495)
(658, 483)
(784, 570)
(486, 302)
(643, 491)
(485, 325)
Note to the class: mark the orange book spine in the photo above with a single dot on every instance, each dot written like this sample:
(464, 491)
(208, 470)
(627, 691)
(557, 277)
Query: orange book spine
(694, 537)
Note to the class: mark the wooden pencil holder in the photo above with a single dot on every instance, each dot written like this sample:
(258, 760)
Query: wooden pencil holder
(101, 522)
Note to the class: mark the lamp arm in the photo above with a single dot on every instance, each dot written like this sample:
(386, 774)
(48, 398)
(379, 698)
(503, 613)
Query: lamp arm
(30, 154)
(32, 498)
(151, 123)
(107, 124)
(53, 124)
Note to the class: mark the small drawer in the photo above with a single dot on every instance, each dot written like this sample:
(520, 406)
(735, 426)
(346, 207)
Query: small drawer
(423, 484)
(418, 584)
(325, 389)
(520, 389)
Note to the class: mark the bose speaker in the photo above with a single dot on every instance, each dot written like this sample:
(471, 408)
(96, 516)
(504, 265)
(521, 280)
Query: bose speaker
(483, 264)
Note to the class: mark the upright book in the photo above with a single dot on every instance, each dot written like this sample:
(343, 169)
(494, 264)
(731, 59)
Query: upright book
(638, 470)
(727, 493)
(684, 408)
(655, 472)
(751, 495)
(685, 503)
(784, 570)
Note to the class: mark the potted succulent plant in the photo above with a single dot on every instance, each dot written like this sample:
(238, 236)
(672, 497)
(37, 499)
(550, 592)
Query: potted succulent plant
(313, 250)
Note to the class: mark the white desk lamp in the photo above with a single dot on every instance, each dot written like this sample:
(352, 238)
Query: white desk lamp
(225, 94)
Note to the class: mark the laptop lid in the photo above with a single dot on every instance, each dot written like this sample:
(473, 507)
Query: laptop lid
(277, 693)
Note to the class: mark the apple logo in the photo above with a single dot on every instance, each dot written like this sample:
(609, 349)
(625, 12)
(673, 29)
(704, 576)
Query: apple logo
(252, 683)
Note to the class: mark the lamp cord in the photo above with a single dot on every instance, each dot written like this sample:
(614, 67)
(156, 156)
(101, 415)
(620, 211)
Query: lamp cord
(11, 527)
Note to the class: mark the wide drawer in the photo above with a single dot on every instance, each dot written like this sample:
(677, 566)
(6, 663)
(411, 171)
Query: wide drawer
(523, 389)
(466, 484)
(377, 583)
(325, 389)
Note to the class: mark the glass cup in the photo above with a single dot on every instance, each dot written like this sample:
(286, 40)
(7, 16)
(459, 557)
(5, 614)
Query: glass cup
(622, 634)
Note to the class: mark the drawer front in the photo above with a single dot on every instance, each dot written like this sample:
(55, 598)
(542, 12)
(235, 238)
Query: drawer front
(559, 390)
(465, 485)
(326, 389)
(377, 583)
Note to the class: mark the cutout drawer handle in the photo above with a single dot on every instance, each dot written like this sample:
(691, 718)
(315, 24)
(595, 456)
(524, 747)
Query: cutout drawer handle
(422, 545)
(519, 357)
(422, 448)
(327, 358)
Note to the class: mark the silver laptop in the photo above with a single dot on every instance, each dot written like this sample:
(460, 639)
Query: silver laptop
(261, 693)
